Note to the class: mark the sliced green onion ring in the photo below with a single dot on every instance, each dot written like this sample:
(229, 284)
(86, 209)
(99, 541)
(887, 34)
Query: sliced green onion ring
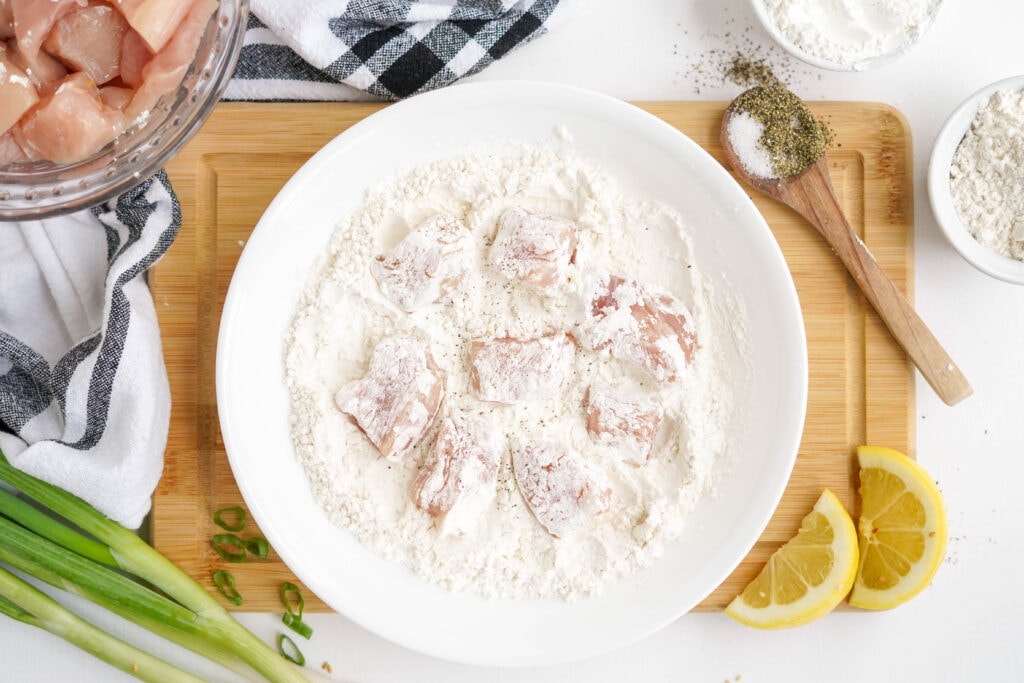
(230, 547)
(289, 650)
(235, 513)
(297, 625)
(258, 546)
(292, 598)
(225, 583)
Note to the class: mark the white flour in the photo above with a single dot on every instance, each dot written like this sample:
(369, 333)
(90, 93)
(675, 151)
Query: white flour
(987, 175)
(342, 315)
(851, 32)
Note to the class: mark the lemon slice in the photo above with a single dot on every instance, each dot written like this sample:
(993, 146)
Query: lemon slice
(808, 576)
(902, 529)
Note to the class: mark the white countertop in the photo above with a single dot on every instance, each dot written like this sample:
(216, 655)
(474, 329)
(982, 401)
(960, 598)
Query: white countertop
(967, 624)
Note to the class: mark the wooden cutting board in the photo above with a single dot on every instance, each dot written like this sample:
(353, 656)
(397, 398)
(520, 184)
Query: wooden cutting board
(861, 385)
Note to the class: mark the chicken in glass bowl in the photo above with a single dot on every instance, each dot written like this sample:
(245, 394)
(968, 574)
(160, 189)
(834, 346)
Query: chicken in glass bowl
(97, 95)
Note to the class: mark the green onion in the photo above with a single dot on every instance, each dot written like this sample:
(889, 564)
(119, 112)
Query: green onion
(32, 518)
(13, 611)
(292, 598)
(230, 547)
(294, 603)
(225, 583)
(68, 547)
(62, 568)
(27, 604)
(289, 650)
(235, 512)
(258, 547)
(297, 625)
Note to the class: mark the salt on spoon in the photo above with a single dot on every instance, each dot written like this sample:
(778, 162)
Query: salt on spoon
(772, 141)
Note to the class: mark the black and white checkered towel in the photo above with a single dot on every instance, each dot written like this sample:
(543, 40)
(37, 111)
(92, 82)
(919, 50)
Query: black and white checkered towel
(84, 400)
(338, 49)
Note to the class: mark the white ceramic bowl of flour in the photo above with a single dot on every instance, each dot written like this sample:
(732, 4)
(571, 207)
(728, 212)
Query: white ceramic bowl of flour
(999, 176)
(846, 35)
(731, 245)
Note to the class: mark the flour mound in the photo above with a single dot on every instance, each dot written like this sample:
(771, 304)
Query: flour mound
(987, 175)
(342, 316)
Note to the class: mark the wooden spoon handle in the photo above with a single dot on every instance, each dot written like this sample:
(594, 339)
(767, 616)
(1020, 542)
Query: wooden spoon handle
(816, 201)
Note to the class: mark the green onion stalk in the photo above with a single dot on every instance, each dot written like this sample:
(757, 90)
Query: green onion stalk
(76, 548)
(28, 604)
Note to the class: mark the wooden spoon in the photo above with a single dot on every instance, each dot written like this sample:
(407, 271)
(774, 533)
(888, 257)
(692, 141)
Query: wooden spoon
(810, 193)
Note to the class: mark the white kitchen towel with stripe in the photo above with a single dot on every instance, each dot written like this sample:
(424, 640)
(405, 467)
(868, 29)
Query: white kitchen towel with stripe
(84, 400)
(391, 49)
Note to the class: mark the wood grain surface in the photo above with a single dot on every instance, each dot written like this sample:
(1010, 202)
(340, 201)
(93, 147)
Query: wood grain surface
(861, 384)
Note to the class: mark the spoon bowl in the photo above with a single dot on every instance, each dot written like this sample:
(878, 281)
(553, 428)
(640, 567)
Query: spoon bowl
(810, 193)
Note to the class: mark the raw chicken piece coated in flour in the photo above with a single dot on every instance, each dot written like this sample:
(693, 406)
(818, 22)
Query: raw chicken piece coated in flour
(458, 479)
(564, 490)
(426, 265)
(639, 323)
(397, 399)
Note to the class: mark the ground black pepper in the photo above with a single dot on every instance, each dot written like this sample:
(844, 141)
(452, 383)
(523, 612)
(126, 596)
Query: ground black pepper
(793, 137)
(732, 37)
(748, 71)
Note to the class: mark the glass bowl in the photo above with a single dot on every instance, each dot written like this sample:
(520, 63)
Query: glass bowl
(940, 193)
(40, 189)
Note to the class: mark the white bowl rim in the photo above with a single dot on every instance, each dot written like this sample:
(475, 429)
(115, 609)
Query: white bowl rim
(946, 215)
(761, 10)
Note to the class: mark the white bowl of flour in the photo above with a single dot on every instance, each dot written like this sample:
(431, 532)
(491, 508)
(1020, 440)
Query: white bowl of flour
(846, 35)
(302, 311)
(976, 179)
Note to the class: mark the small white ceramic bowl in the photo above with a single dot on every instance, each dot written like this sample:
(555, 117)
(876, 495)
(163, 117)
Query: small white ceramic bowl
(761, 10)
(952, 133)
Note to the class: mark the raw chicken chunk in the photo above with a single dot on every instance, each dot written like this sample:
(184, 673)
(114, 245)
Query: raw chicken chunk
(639, 323)
(458, 479)
(507, 370)
(10, 150)
(135, 54)
(70, 124)
(562, 489)
(397, 399)
(165, 71)
(625, 425)
(116, 97)
(17, 94)
(88, 39)
(154, 20)
(45, 72)
(427, 264)
(6, 20)
(33, 20)
(534, 248)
